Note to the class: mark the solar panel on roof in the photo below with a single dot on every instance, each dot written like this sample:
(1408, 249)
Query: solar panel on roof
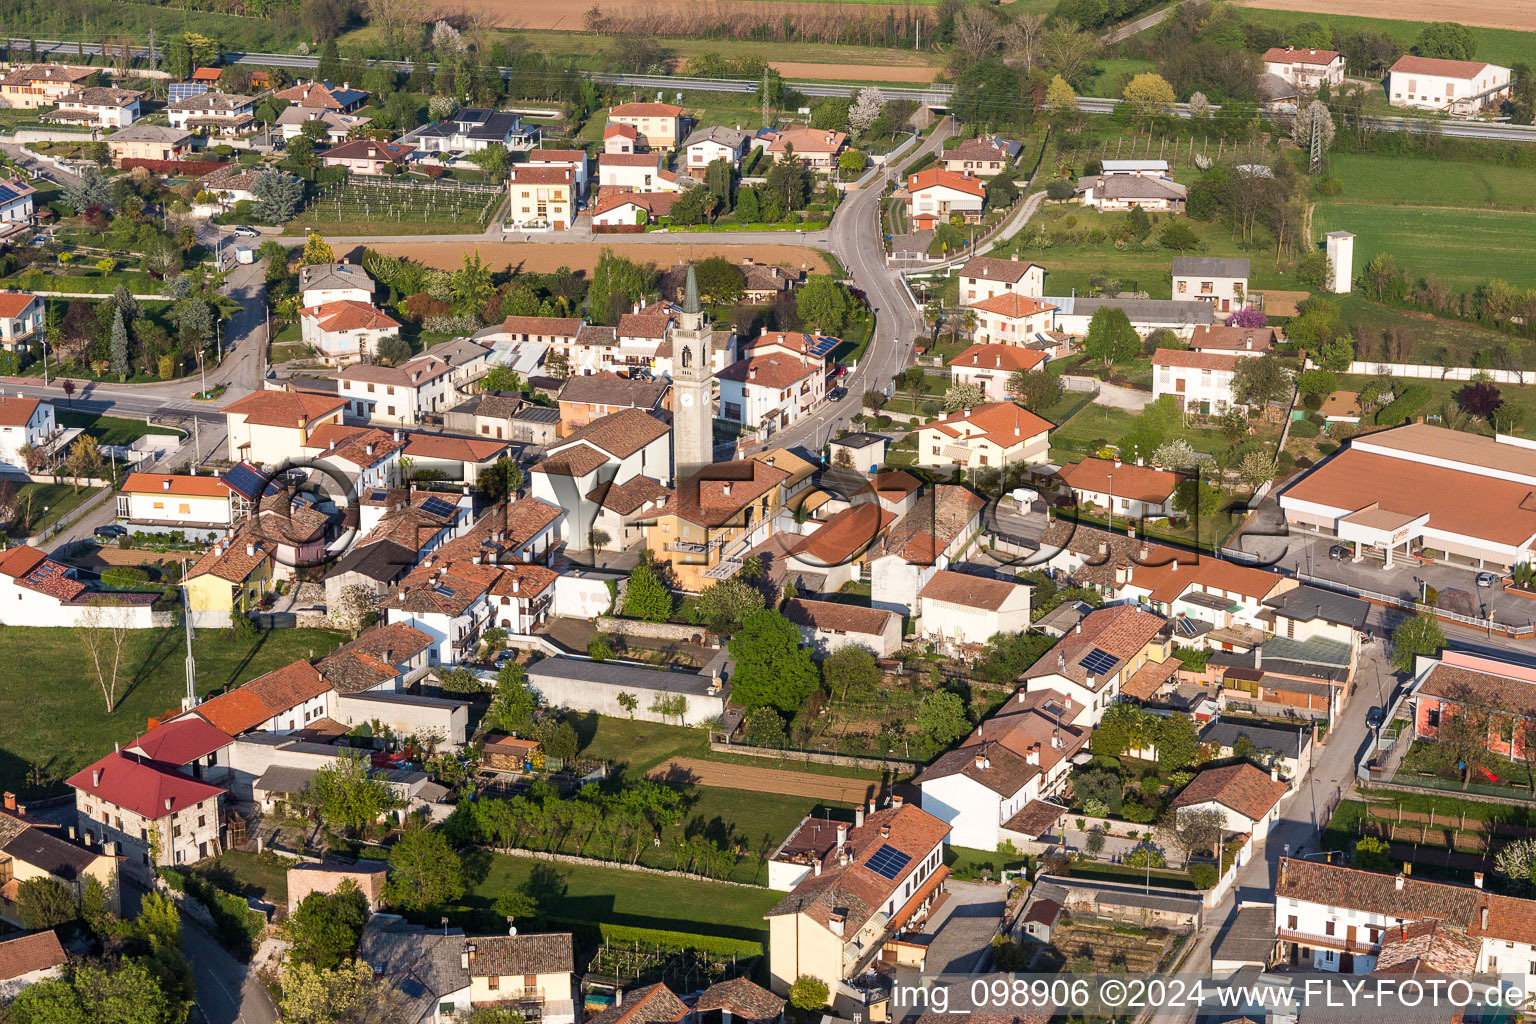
(445, 591)
(887, 862)
(820, 346)
(377, 495)
(1187, 627)
(413, 988)
(1098, 661)
(438, 507)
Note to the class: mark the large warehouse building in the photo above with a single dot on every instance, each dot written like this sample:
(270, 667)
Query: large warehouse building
(1470, 498)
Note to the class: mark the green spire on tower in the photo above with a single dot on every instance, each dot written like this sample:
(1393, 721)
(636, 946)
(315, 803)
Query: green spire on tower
(691, 293)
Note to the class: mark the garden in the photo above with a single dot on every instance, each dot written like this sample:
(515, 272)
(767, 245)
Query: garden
(390, 206)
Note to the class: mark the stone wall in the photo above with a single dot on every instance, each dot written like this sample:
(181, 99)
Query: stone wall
(565, 858)
(814, 757)
(654, 630)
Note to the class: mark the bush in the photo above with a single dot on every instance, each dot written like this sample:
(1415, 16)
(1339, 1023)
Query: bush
(1305, 428)
(1402, 408)
(1204, 876)
(124, 576)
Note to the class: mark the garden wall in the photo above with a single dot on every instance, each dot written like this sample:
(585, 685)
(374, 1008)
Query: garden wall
(653, 630)
(814, 757)
(592, 862)
(1424, 371)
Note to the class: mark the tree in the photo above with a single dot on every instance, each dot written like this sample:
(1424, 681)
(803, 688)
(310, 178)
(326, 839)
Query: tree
(1313, 123)
(1177, 743)
(92, 188)
(667, 706)
(277, 196)
(1035, 388)
(1256, 469)
(1061, 98)
(1445, 39)
(1111, 338)
(119, 346)
(1196, 498)
(1199, 106)
(44, 902)
(866, 109)
(393, 350)
(493, 161)
(1094, 843)
(772, 669)
(460, 680)
(1150, 96)
(324, 929)
(1059, 190)
(725, 604)
(316, 251)
(104, 631)
(472, 286)
(629, 702)
(824, 305)
(941, 716)
(851, 161)
(424, 871)
(788, 181)
(1259, 380)
(514, 704)
(600, 647)
(1178, 235)
(720, 281)
(764, 728)
(349, 994)
(1372, 854)
(851, 668)
(345, 794)
(647, 597)
(1480, 398)
(1465, 721)
(1318, 383)
(1193, 831)
(1420, 635)
(964, 396)
(808, 993)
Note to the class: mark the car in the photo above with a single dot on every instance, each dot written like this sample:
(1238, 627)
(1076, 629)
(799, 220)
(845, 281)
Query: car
(1374, 717)
(838, 394)
(1486, 579)
(246, 232)
(837, 372)
(1339, 553)
(504, 657)
(111, 531)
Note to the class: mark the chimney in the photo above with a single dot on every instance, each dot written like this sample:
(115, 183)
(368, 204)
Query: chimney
(871, 805)
(95, 777)
(751, 373)
(898, 801)
(167, 803)
(1103, 550)
(1056, 733)
(1117, 463)
(70, 832)
(165, 484)
(1015, 257)
(517, 584)
(858, 816)
(250, 549)
(368, 448)
(981, 759)
(1274, 773)
(109, 849)
(1477, 879)
(726, 489)
(842, 835)
(1033, 757)
(1398, 881)
(838, 923)
(816, 867)
(10, 801)
(885, 831)
(1079, 626)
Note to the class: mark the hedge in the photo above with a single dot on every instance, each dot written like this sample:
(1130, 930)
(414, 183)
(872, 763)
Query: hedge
(660, 937)
(1402, 408)
(1304, 428)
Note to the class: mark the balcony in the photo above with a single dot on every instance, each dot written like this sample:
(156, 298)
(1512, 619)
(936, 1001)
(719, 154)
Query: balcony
(688, 547)
(1339, 942)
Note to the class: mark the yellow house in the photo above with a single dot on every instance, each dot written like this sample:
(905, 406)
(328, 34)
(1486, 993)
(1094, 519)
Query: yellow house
(270, 427)
(528, 972)
(229, 579)
(714, 518)
(28, 851)
(540, 197)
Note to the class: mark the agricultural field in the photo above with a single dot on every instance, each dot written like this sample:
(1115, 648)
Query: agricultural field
(1463, 248)
(1425, 181)
(1502, 32)
(397, 207)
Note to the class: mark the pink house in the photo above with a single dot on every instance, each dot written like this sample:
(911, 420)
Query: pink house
(1456, 680)
(990, 366)
(368, 156)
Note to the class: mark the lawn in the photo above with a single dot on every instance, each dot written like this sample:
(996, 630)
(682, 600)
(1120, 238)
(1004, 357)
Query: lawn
(1497, 45)
(1463, 248)
(39, 505)
(637, 747)
(1426, 335)
(1095, 423)
(262, 876)
(1425, 181)
(1443, 397)
(66, 726)
(1110, 74)
(82, 278)
(584, 894)
(109, 429)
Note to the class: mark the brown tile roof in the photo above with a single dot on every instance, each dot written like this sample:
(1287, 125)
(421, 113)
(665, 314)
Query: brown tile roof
(625, 498)
(1121, 632)
(1332, 885)
(444, 587)
(621, 433)
(1034, 722)
(230, 559)
(1035, 818)
(413, 374)
(629, 160)
(620, 131)
(370, 149)
(933, 523)
(809, 140)
(990, 763)
(893, 484)
(47, 73)
(1427, 947)
(658, 204)
(531, 580)
(999, 357)
(839, 617)
(741, 998)
(1140, 483)
(1178, 357)
(774, 370)
(975, 149)
(282, 520)
(16, 412)
(1411, 65)
(548, 326)
(1002, 423)
(160, 483)
(654, 1005)
(18, 561)
(1460, 684)
(1147, 680)
(846, 536)
(1244, 788)
(972, 591)
(453, 448)
(1288, 55)
(514, 523)
(536, 174)
(717, 493)
(246, 707)
(284, 408)
(935, 177)
(546, 156)
(1232, 339)
(13, 304)
(26, 954)
(1012, 305)
(576, 461)
(349, 315)
(372, 658)
(497, 956)
(364, 448)
(1167, 581)
(644, 109)
(1105, 568)
(611, 389)
(990, 268)
(644, 325)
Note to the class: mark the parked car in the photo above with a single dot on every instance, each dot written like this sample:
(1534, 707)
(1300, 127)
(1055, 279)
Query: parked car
(1374, 717)
(838, 394)
(1486, 579)
(1339, 553)
(837, 372)
(111, 531)
(243, 231)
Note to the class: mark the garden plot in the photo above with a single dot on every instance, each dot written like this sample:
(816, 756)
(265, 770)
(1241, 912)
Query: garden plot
(408, 205)
(1110, 947)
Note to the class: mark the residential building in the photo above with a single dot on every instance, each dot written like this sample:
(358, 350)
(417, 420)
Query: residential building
(328, 878)
(358, 460)
(472, 129)
(493, 414)
(575, 159)
(30, 849)
(1286, 747)
(621, 138)
(579, 471)
(21, 316)
(1139, 167)
(1127, 191)
(346, 330)
(1224, 595)
(28, 959)
(1074, 314)
(766, 282)
(122, 798)
(1305, 69)
(936, 195)
(98, 107)
(988, 366)
(716, 516)
(37, 591)
(323, 96)
(521, 597)
(656, 125)
(826, 626)
(959, 609)
(1220, 280)
(1452, 86)
(878, 878)
(1306, 613)
(192, 505)
(859, 450)
(369, 156)
(1003, 434)
(767, 392)
(405, 395)
(1200, 382)
(584, 685)
(17, 206)
(620, 208)
(1089, 664)
(31, 86)
(322, 283)
(982, 157)
(1394, 492)
(338, 127)
(460, 459)
(1142, 492)
(706, 145)
(23, 422)
(399, 528)
(213, 113)
(833, 553)
(149, 142)
(231, 184)
(1010, 319)
(270, 427)
(738, 1001)
(541, 197)
(1238, 341)
(654, 1004)
(937, 528)
(584, 400)
(984, 277)
(229, 580)
(818, 149)
(1247, 798)
(636, 172)
(1443, 686)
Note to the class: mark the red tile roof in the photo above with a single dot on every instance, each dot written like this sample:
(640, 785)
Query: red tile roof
(808, 140)
(18, 561)
(999, 357)
(990, 268)
(643, 109)
(181, 741)
(534, 174)
(232, 558)
(716, 494)
(620, 434)
(1012, 305)
(1411, 65)
(656, 203)
(285, 408)
(845, 536)
(530, 580)
(972, 591)
(834, 615)
(13, 304)
(1141, 483)
(1002, 423)
(546, 156)
(774, 370)
(629, 160)
(450, 447)
(370, 149)
(349, 315)
(192, 486)
(1194, 360)
(27, 954)
(935, 177)
(1167, 580)
(625, 131)
(149, 790)
(1246, 789)
(934, 522)
(17, 412)
(1287, 55)
(246, 707)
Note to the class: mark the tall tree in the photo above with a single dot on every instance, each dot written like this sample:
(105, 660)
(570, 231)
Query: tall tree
(646, 596)
(104, 631)
(1111, 338)
(347, 795)
(424, 871)
(824, 305)
(119, 346)
(317, 251)
(771, 667)
(277, 196)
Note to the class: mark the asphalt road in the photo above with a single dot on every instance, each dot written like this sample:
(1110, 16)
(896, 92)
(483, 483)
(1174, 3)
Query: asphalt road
(228, 991)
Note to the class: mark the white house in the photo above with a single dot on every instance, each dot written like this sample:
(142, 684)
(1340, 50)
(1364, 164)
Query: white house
(1200, 382)
(472, 129)
(98, 107)
(213, 113)
(346, 330)
(334, 282)
(196, 505)
(636, 172)
(23, 421)
(339, 127)
(936, 195)
(959, 608)
(936, 529)
(826, 626)
(976, 788)
(575, 159)
(1453, 86)
(1125, 191)
(1135, 168)
(768, 392)
(21, 315)
(1010, 319)
(1247, 797)
(1220, 280)
(990, 366)
(16, 205)
(581, 472)
(1090, 664)
(982, 157)
(405, 394)
(983, 277)
(1305, 69)
(1074, 313)
(1003, 434)
(706, 145)
(1124, 488)
(37, 591)
(621, 208)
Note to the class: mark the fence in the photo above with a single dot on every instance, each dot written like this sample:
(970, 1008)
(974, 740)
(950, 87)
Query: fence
(1515, 631)
(1424, 371)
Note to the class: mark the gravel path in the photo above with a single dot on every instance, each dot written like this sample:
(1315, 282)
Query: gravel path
(764, 780)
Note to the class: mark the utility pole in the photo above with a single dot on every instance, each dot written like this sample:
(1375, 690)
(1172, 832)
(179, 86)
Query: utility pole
(190, 700)
(765, 98)
(197, 445)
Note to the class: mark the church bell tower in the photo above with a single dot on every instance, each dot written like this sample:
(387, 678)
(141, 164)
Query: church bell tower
(693, 387)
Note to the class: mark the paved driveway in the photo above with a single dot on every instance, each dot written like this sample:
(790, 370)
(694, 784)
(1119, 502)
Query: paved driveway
(962, 933)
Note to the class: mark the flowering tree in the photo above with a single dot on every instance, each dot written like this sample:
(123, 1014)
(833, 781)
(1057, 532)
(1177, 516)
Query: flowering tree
(1247, 318)
(865, 110)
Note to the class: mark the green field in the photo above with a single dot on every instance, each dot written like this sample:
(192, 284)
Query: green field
(1442, 397)
(1498, 45)
(65, 725)
(1424, 181)
(1463, 248)
(1111, 73)
(108, 429)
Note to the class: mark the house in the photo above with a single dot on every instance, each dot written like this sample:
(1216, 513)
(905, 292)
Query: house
(492, 413)
(122, 797)
(988, 366)
(738, 1000)
(1229, 598)
(826, 626)
(326, 878)
(231, 184)
(270, 427)
(369, 156)
(30, 848)
(656, 125)
(936, 195)
(1105, 649)
(192, 505)
(621, 138)
(1306, 612)
(706, 145)
(584, 400)
(1136, 167)
(31, 86)
(314, 95)
(653, 1004)
(521, 598)
(959, 608)
(98, 107)
(383, 659)
(149, 142)
(406, 394)
(584, 685)
(21, 316)
(1452, 86)
(229, 580)
(818, 149)
(981, 157)
(1443, 686)
(346, 330)
(1001, 434)
(1074, 314)
(859, 450)
(714, 518)
(936, 529)
(541, 197)
(984, 277)
(1248, 798)
(880, 876)
(769, 391)
(1238, 341)
(28, 959)
(321, 283)
(472, 129)
(979, 787)
(1220, 280)
(1305, 69)
(1010, 319)
(636, 172)
(213, 113)
(579, 471)
(358, 461)
(338, 127)
(1126, 191)
(399, 528)
(35, 590)
(1286, 747)
(834, 552)
(1143, 492)
(17, 206)
(1200, 382)
(766, 282)
(23, 422)
(622, 208)
(460, 459)
(575, 159)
